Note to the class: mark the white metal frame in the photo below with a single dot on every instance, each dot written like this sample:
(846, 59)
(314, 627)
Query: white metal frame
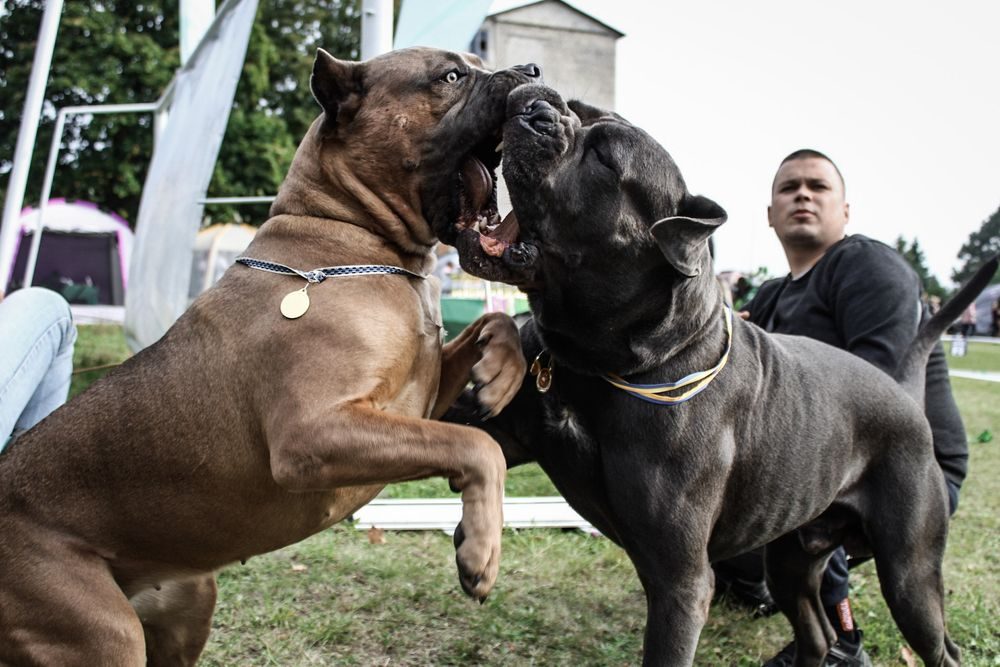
(158, 109)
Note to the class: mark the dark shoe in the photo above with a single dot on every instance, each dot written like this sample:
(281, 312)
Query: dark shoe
(847, 654)
(842, 654)
(749, 593)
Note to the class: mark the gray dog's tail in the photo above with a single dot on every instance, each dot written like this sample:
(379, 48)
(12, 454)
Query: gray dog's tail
(912, 369)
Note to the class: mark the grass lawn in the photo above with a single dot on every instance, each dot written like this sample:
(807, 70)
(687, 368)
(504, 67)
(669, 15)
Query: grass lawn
(563, 597)
(980, 357)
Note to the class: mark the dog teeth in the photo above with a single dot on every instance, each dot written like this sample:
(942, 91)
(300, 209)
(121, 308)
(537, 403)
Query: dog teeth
(481, 224)
(499, 147)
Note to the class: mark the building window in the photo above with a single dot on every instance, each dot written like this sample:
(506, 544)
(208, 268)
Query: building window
(479, 44)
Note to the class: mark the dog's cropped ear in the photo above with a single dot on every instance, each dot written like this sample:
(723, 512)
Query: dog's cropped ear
(336, 85)
(683, 238)
(589, 114)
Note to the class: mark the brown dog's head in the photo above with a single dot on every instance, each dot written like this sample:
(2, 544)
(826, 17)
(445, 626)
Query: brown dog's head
(406, 144)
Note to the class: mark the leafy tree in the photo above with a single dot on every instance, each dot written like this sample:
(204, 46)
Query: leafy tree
(981, 246)
(116, 51)
(273, 106)
(746, 287)
(106, 52)
(914, 256)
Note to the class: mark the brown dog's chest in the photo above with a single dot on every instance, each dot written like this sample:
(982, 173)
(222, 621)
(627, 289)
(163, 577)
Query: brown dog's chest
(418, 391)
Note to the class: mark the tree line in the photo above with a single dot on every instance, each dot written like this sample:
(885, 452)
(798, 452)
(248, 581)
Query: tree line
(121, 51)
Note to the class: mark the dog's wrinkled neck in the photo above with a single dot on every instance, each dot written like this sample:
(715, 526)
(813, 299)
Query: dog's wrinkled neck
(673, 329)
(328, 188)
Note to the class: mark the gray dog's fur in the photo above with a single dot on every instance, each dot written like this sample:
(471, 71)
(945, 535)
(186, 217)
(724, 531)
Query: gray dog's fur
(795, 444)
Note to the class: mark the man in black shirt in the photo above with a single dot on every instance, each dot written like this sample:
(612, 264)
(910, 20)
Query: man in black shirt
(859, 295)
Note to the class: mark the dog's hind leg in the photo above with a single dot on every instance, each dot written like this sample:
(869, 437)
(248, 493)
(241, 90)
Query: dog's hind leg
(176, 619)
(793, 577)
(60, 605)
(908, 544)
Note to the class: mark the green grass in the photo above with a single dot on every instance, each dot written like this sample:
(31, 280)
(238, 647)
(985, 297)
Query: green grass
(980, 357)
(97, 346)
(563, 597)
(526, 480)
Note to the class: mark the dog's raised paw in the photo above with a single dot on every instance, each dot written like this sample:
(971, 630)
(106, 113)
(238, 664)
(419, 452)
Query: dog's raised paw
(477, 567)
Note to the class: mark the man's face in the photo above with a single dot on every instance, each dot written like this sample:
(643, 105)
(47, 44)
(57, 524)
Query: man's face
(807, 204)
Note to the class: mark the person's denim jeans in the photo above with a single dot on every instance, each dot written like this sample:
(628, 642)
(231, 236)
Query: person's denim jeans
(36, 357)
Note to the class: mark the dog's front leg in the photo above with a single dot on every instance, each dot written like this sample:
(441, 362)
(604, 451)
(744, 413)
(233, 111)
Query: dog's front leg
(677, 600)
(488, 352)
(355, 445)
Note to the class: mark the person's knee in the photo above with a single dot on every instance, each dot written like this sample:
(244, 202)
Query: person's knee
(45, 306)
(835, 586)
(41, 301)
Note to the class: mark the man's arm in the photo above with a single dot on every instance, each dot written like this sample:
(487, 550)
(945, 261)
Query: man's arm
(875, 297)
(759, 309)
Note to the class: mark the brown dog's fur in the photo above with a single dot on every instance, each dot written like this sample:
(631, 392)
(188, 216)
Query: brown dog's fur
(241, 431)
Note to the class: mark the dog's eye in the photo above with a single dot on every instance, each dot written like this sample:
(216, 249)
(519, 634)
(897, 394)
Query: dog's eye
(452, 76)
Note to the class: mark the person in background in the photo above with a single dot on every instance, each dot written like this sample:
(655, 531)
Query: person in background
(967, 322)
(995, 319)
(857, 294)
(36, 358)
(933, 304)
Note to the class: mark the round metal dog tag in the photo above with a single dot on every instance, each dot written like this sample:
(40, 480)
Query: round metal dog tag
(295, 304)
(544, 380)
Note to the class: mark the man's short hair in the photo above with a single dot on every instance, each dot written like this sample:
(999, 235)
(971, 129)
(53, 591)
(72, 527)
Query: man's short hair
(805, 154)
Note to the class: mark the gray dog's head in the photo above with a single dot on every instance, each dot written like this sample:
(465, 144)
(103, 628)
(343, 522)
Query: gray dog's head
(603, 228)
(587, 186)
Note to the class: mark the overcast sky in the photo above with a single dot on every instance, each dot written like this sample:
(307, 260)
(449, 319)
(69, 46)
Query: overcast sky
(903, 95)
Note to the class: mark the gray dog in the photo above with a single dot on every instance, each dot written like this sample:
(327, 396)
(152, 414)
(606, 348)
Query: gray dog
(763, 439)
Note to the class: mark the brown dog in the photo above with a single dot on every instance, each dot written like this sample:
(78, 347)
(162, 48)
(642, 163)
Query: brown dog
(241, 430)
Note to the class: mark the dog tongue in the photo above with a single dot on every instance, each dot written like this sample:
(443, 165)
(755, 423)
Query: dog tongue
(478, 183)
(501, 237)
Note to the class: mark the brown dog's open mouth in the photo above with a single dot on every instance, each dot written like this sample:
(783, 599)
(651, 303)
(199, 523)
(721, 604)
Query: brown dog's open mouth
(489, 247)
(478, 200)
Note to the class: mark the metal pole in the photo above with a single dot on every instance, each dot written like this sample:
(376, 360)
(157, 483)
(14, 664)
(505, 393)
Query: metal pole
(9, 225)
(376, 28)
(50, 168)
(264, 199)
(196, 16)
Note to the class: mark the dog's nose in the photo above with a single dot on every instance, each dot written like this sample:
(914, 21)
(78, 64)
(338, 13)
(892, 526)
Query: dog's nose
(538, 107)
(531, 69)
